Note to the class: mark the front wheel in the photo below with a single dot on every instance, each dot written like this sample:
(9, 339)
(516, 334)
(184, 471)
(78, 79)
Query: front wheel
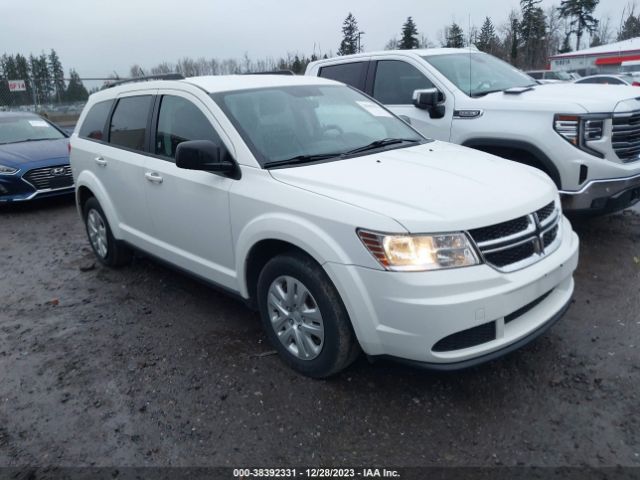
(109, 251)
(304, 317)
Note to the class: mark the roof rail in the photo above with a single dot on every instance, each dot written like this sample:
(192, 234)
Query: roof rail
(272, 72)
(164, 76)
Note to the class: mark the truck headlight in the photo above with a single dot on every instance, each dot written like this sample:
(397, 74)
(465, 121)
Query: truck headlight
(420, 252)
(4, 170)
(579, 130)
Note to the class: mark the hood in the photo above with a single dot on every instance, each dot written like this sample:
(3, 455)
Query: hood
(565, 97)
(436, 187)
(19, 154)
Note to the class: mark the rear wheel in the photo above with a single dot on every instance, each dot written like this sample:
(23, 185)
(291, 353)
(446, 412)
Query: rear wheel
(109, 251)
(304, 317)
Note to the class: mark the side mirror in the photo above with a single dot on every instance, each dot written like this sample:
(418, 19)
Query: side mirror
(430, 99)
(206, 156)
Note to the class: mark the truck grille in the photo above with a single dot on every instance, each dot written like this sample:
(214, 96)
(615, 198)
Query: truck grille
(50, 178)
(625, 138)
(512, 245)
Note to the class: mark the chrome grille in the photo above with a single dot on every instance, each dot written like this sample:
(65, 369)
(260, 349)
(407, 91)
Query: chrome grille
(625, 137)
(50, 178)
(509, 246)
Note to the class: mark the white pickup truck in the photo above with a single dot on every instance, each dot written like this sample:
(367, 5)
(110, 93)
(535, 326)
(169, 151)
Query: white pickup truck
(585, 137)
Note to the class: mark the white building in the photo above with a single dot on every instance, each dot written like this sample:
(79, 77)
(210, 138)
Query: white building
(602, 59)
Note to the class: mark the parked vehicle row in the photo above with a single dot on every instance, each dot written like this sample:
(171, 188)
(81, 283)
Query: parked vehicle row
(339, 206)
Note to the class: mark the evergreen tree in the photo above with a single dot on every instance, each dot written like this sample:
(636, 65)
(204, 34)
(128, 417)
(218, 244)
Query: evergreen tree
(22, 73)
(533, 32)
(487, 38)
(630, 28)
(515, 41)
(409, 40)
(454, 36)
(76, 92)
(56, 72)
(7, 69)
(41, 78)
(581, 14)
(350, 31)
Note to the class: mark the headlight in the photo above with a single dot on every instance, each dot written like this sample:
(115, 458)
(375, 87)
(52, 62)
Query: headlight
(4, 170)
(579, 130)
(420, 252)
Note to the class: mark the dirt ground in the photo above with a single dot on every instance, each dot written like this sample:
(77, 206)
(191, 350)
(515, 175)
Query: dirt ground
(145, 366)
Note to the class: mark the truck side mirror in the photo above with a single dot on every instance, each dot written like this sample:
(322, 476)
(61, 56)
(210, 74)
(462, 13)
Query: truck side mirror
(430, 99)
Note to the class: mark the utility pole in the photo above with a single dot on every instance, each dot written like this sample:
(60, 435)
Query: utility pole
(359, 41)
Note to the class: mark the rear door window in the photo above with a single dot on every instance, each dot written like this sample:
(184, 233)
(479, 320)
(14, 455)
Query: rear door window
(129, 122)
(350, 73)
(95, 121)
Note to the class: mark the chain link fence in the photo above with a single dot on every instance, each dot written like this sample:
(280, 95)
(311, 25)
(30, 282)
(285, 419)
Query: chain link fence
(18, 95)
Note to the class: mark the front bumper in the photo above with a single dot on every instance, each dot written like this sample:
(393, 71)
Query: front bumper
(406, 314)
(603, 196)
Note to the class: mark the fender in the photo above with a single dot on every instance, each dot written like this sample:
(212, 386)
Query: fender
(89, 180)
(535, 152)
(287, 228)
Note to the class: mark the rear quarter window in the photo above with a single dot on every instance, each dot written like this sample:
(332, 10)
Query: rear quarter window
(350, 73)
(96, 120)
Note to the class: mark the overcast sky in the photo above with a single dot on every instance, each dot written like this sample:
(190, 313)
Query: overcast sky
(99, 37)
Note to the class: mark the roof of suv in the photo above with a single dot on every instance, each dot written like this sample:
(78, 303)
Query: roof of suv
(225, 83)
(218, 83)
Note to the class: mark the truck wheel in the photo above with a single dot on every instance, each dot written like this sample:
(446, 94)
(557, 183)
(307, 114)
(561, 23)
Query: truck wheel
(109, 251)
(304, 317)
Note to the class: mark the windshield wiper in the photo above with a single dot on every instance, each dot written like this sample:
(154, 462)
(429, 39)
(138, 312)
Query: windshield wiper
(519, 90)
(299, 159)
(511, 90)
(381, 143)
(487, 92)
(27, 140)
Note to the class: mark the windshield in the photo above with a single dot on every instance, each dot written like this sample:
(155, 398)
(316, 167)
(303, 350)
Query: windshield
(558, 76)
(23, 129)
(293, 122)
(478, 73)
(630, 68)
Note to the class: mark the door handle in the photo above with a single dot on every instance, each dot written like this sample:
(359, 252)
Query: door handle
(100, 161)
(153, 177)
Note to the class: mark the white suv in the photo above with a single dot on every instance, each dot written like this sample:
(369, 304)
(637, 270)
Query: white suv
(585, 137)
(346, 228)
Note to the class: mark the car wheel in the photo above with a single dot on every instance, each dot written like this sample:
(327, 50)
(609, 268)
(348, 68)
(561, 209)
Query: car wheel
(304, 316)
(109, 251)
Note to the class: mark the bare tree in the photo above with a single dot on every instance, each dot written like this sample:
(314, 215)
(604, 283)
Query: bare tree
(392, 44)
(554, 31)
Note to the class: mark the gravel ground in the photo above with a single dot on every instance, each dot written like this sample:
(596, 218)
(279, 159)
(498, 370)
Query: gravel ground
(145, 366)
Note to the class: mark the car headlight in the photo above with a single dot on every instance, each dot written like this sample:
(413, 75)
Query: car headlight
(579, 130)
(420, 252)
(4, 170)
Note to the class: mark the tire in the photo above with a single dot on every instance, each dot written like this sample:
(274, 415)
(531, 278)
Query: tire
(110, 252)
(310, 329)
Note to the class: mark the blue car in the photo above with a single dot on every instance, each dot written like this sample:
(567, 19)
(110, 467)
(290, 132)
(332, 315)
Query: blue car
(34, 158)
